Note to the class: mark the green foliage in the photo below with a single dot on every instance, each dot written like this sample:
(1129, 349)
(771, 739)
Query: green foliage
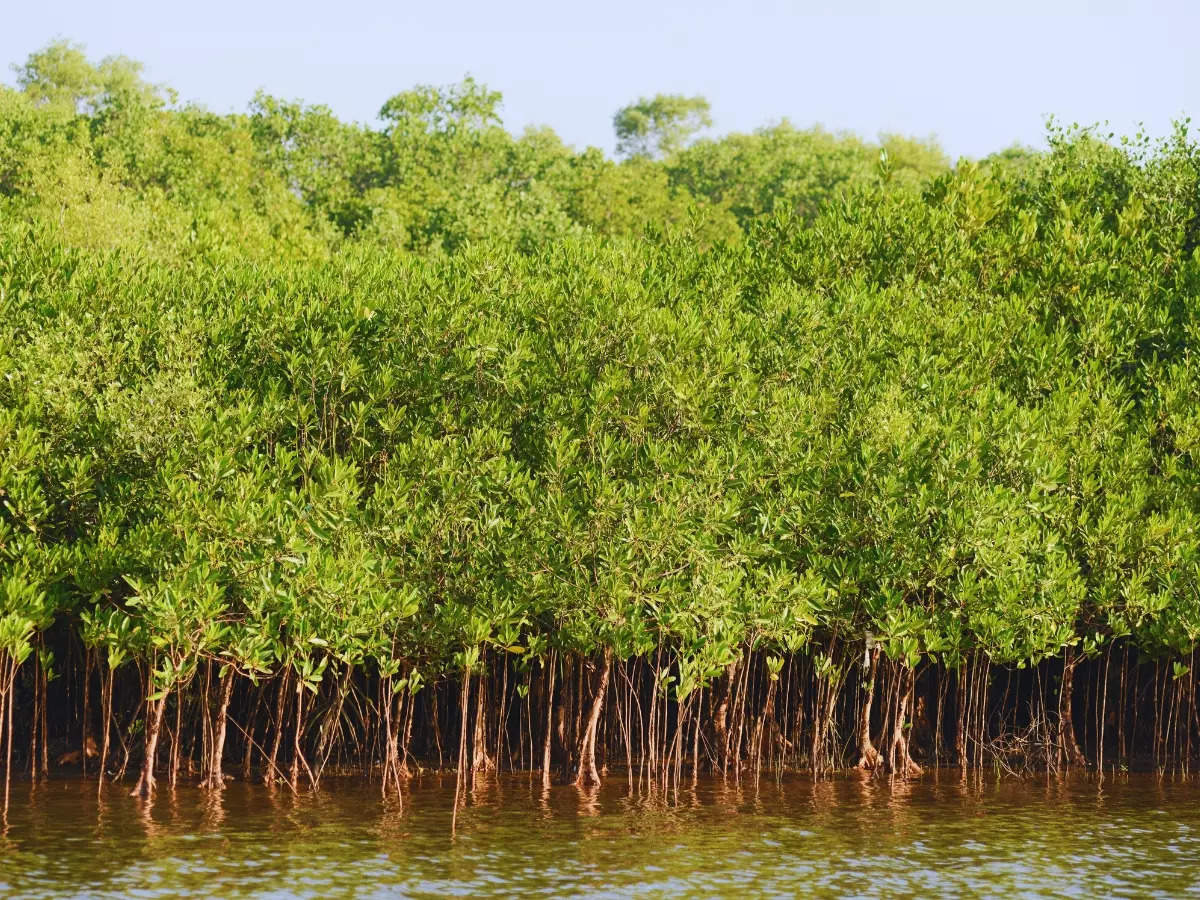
(659, 126)
(783, 169)
(61, 76)
(284, 393)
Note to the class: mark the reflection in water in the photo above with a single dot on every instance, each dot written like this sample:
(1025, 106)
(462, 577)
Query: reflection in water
(940, 835)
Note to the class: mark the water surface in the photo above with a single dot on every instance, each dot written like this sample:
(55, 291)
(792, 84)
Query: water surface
(1137, 836)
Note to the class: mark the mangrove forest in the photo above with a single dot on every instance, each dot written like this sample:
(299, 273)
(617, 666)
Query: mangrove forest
(343, 449)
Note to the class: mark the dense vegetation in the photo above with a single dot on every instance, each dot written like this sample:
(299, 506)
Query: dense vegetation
(329, 445)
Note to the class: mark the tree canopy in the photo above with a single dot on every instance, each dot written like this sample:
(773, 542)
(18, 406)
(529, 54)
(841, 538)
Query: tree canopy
(293, 396)
(659, 126)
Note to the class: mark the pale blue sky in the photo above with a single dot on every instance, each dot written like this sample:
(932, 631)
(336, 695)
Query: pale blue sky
(979, 81)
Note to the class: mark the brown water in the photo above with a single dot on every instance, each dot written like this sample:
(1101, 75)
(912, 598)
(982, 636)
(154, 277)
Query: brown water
(1133, 837)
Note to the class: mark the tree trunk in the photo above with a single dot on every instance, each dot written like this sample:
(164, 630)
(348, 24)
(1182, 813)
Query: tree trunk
(273, 772)
(481, 761)
(721, 712)
(869, 759)
(1068, 747)
(248, 735)
(903, 765)
(154, 716)
(215, 779)
(549, 721)
(106, 692)
(767, 734)
(588, 774)
(460, 776)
